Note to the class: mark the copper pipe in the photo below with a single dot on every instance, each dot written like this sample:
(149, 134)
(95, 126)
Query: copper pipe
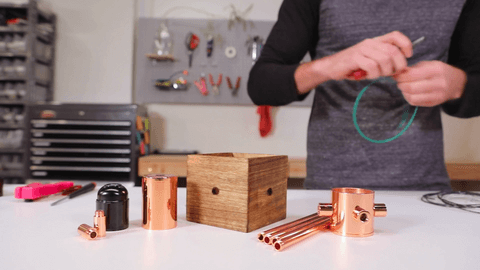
(100, 223)
(318, 226)
(325, 209)
(261, 236)
(159, 202)
(87, 232)
(295, 229)
(271, 238)
(379, 210)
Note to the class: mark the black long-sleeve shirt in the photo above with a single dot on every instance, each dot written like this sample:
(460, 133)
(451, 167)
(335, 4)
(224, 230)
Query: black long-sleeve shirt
(271, 80)
(336, 153)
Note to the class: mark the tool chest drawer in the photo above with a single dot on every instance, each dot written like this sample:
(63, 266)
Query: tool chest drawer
(94, 142)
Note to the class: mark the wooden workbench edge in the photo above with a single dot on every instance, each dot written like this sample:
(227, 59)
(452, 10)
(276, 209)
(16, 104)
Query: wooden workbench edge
(177, 164)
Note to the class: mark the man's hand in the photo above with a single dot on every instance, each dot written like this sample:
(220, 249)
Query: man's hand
(380, 56)
(431, 83)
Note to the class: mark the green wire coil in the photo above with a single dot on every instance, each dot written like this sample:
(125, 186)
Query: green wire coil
(354, 114)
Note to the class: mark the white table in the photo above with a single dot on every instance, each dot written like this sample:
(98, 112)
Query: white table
(414, 235)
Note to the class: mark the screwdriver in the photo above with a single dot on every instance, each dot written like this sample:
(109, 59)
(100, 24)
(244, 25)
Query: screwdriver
(84, 189)
(359, 74)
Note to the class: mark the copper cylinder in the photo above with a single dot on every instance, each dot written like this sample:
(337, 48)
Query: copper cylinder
(100, 223)
(380, 210)
(319, 225)
(294, 229)
(87, 232)
(353, 212)
(268, 233)
(325, 209)
(159, 205)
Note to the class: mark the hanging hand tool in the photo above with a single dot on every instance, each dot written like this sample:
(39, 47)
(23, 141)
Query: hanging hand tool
(202, 85)
(255, 46)
(237, 85)
(84, 189)
(209, 46)
(361, 74)
(215, 86)
(191, 42)
(169, 84)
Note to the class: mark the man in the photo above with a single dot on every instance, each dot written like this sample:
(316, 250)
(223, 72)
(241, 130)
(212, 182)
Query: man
(345, 36)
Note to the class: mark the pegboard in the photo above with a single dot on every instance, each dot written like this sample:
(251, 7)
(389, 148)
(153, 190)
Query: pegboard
(146, 71)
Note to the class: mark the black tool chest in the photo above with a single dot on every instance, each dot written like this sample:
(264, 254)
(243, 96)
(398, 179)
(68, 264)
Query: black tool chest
(93, 142)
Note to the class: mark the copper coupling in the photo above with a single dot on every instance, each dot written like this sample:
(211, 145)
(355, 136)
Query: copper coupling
(87, 231)
(352, 211)
(99, 227)
(100, 223)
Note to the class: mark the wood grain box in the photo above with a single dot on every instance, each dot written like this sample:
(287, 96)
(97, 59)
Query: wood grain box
(236, 191)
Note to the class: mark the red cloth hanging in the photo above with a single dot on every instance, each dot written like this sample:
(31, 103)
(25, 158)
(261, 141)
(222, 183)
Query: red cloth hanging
(265, 125)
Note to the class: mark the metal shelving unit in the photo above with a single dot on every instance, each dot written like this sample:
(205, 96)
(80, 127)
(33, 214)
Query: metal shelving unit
(26, 77)
(94, 142)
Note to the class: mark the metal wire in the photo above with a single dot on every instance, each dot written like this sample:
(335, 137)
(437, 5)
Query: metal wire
(442, 196)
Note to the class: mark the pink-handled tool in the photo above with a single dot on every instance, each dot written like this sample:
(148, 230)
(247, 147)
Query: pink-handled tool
(202, 85)
(36, 190)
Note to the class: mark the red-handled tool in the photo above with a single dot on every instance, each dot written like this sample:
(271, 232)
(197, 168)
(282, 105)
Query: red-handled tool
(191, 42)
(361, 74)
(215, 86)
(237, 85)
(84, 189)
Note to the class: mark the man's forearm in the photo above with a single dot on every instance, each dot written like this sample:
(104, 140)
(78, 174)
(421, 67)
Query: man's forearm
(309, 75)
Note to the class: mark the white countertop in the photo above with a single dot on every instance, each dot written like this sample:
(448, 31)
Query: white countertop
(414, 235)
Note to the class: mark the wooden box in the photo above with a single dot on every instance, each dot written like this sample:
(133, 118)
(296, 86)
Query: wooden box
(241, 192)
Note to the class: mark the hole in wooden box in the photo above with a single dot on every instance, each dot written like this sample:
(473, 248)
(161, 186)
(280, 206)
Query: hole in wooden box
(215, 191)
(269, 191)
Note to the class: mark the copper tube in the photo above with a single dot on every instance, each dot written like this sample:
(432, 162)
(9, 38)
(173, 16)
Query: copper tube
(295, 229)
(325, 209)
(261, 236)
(270, 238)
(318, 226)
(159, 202)
(100, 223)
(87, 232)
(379, 210)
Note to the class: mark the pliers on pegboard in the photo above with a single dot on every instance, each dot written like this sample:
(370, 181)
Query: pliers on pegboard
(202, 85)
(237, 85)
(215, 86)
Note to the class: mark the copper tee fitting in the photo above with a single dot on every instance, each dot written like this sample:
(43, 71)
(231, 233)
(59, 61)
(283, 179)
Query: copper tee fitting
(352, 211)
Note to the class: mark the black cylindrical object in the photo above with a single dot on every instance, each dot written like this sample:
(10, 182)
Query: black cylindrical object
(113, 200)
